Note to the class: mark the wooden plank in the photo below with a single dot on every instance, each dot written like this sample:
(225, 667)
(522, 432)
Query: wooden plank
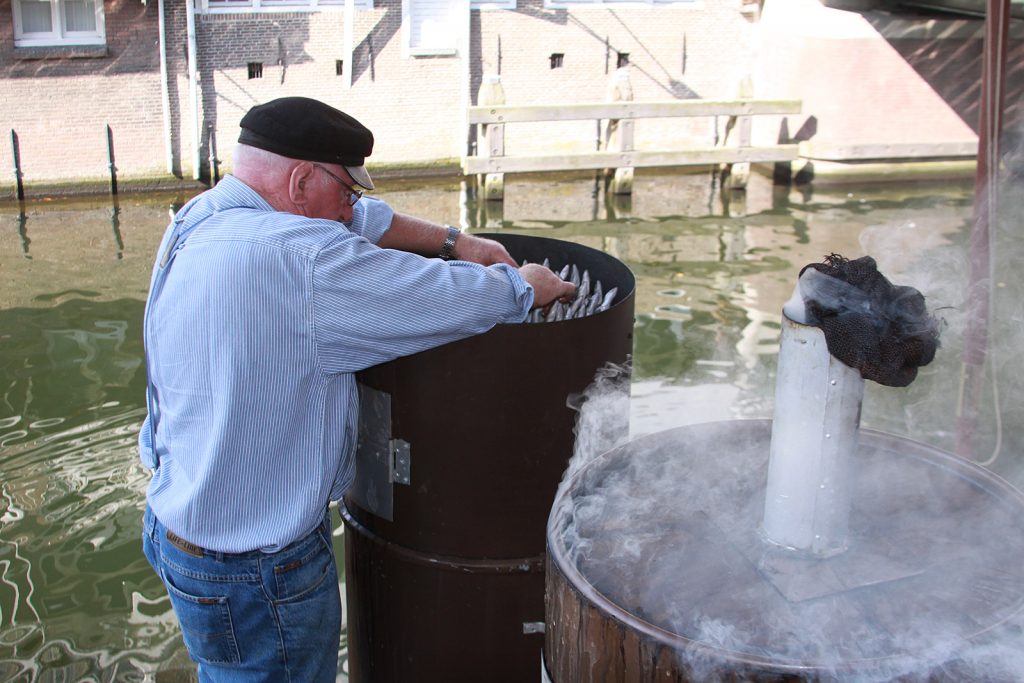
(635, 159)
(897, 150)
(631, 110)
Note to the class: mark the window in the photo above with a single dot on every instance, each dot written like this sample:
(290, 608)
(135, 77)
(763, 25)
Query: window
(58, 22)
(432, 27)
(227, 6)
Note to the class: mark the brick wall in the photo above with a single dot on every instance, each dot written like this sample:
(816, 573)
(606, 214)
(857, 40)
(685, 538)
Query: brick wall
(673, 53)
(414, 105)
(60, 103)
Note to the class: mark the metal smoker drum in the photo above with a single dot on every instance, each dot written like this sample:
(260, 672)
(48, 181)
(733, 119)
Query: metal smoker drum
(658, 571)
(461, 451)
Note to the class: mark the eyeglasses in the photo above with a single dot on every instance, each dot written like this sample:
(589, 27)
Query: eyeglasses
(354, 194)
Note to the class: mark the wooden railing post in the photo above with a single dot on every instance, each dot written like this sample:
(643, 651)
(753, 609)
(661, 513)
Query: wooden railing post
(619, 134)
(739, 172)
(492, 137)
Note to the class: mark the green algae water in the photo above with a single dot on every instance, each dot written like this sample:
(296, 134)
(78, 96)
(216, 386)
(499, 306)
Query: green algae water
(78, 602)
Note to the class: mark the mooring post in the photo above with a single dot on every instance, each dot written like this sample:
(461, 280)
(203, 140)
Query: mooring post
(493, 134)
(110, 161)
(619, 134)
(16, 155)
(738, 173)
(214, 170)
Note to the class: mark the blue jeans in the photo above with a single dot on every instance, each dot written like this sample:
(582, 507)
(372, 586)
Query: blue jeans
(255, 616)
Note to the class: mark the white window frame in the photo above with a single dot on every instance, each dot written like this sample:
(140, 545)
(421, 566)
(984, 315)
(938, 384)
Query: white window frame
(59, 36)
(443, 49)
(271, 6)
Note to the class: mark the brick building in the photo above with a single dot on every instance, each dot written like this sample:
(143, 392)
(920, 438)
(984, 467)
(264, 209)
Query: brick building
(408, 69)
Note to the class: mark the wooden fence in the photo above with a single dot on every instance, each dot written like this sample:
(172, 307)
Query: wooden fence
(493, 161)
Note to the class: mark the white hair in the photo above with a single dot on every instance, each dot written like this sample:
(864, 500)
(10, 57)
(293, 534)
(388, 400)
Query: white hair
(252, 162)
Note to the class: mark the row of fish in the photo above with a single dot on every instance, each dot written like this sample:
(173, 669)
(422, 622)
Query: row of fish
(590, 297)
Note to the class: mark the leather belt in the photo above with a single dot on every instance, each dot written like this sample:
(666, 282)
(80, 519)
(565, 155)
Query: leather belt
(183, 545)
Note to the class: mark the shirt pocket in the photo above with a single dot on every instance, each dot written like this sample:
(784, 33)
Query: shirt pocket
(205, 623)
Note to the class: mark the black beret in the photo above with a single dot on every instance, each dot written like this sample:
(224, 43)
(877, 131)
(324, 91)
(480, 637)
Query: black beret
(310, 130)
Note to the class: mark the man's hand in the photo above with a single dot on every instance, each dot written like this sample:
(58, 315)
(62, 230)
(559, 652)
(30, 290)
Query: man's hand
(547, 286)
(480, 250)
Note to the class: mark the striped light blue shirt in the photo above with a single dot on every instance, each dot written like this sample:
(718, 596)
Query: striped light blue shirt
(255, 324)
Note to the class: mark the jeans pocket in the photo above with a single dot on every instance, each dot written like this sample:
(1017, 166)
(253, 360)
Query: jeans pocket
(205, 623)
(303, 575)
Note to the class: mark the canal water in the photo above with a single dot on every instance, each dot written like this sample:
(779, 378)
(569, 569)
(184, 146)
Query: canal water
(78, 601)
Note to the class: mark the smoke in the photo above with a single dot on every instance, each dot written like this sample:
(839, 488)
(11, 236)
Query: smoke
(603, 415)
(667, 528)
(828, 292)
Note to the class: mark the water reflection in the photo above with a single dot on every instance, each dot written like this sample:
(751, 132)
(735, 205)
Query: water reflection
(77, 600)
(69, 549)
(22, 231)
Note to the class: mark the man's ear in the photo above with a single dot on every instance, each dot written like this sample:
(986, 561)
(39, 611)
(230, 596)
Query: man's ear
(299, 181)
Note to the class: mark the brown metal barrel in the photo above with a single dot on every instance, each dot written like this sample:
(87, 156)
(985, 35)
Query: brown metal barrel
(461, 451)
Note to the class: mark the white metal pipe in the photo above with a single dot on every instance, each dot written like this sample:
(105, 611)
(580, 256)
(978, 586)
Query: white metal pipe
(193, 84)
(348, 66)
(165, 95)
(464, 11)
(814, 438)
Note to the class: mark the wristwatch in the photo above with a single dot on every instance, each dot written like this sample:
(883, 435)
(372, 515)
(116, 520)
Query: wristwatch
(448, 248)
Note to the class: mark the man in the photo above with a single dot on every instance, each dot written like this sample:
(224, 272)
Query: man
(269, 292)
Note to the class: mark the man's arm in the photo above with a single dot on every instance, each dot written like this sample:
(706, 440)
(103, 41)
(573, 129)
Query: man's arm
(408, 233)
(419, 236)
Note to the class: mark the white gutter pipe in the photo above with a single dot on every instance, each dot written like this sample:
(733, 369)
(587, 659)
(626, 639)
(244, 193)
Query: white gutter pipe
(165, 96)
(350, 17)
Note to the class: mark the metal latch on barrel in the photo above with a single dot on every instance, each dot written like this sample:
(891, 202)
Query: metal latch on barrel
(381, 460)
(401, 462)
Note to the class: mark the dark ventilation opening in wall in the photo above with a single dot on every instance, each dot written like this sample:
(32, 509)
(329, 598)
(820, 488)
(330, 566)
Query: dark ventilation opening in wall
(556, 60)
(339, 67)
(255, 70)
(623, 60)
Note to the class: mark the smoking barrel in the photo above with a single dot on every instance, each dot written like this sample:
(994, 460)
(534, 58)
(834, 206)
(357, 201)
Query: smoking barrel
(658, 571)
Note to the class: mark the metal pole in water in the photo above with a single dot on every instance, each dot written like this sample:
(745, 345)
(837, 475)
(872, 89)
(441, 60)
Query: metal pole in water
(110, 161)
(986, 211)
(16, 155)
(214, 170)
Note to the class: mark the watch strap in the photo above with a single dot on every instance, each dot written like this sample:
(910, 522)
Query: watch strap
(448, 248)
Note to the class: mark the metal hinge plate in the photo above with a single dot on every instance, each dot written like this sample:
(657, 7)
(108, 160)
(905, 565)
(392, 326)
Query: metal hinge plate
(381, 461)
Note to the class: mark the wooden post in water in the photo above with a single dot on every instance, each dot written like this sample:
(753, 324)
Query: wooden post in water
(214, 170)
(110, 161)
(738, 174)
(619, 134)
(16, 155)
(493, 135)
